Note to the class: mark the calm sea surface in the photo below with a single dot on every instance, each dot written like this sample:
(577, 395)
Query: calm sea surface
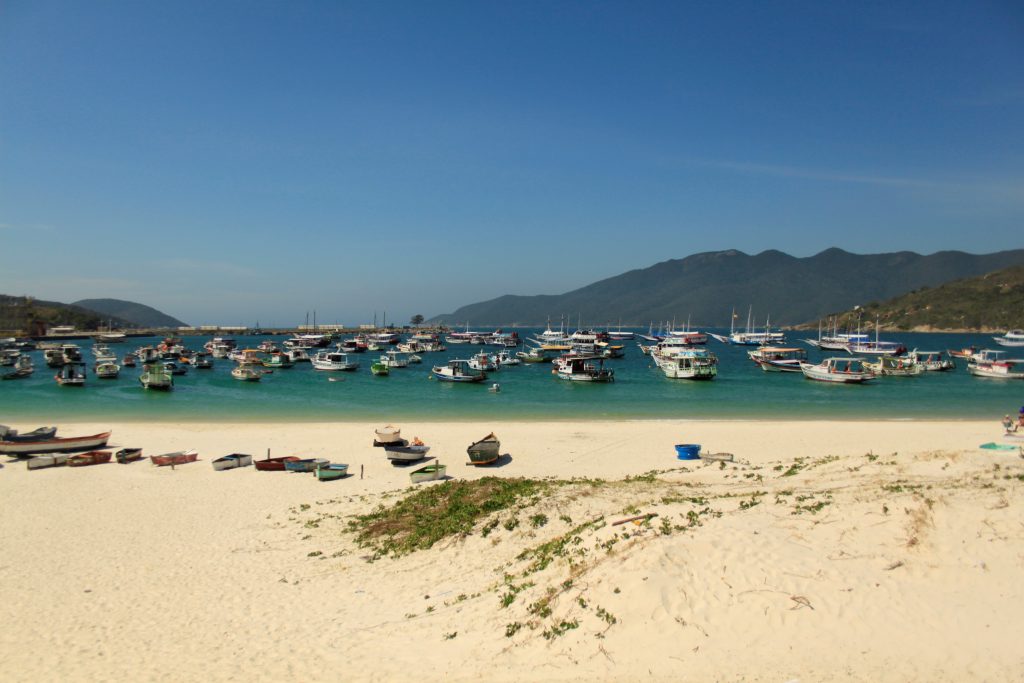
(640, 391)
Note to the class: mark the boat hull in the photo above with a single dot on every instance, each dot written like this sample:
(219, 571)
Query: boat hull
(485, 451)
(41, 461)
(233, 461)
(431, 472)
(273, 464)
(331, 472)
(179, 458)
(66, 445)
(127, 455)
(305, 464)
(406, 453)
(91, 458)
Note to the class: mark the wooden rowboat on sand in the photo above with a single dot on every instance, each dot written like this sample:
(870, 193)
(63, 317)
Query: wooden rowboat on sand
(65, 445)
(431, 472)
(127, 455)
(230, 462)
(331, 471)
(176, 458)
(90, 458)
(485, 451)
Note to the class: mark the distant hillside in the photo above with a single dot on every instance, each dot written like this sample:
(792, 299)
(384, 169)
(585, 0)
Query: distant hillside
(707, 286)
(990, 302)
(139, 314)
(18, 313)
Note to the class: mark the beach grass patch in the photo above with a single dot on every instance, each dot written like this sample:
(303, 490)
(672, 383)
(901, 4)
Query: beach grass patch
(453, 508)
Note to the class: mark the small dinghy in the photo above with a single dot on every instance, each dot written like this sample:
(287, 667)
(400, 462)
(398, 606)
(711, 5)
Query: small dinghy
(41, 461)
(269, 464)
(127, 455)
(416, 451)
(305, 464)
(389, 435)
(484, 451)
(176, 458)
(230, 462)
(431, 472)
(331, 471)
(90, 458)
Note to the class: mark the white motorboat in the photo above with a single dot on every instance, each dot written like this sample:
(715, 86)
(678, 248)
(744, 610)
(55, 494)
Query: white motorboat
(838, 370)
(334, 361)
(895, 366)
(71, 375)
(687, 363)
(778, 359)
(1011, 338)
(507, 358)
(298, 355)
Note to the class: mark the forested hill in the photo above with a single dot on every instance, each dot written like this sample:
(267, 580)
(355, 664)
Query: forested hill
(707, 286)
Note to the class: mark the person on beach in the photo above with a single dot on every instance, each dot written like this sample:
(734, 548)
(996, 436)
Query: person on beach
(1008, 424)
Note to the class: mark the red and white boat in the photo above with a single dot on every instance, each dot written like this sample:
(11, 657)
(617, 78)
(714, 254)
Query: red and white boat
(176, 458)
(65, 445)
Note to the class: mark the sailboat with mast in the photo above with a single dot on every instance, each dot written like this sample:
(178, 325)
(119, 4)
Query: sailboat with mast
(751, 337)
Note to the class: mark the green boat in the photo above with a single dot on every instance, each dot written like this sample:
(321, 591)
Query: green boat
(434, 470)
(331, 471)
(379, 369)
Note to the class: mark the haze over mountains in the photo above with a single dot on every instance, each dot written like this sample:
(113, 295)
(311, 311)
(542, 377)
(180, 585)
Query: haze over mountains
(708, 286)
(139, 314)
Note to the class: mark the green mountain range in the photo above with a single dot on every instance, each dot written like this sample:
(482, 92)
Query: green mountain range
(138, 314)
(26, 315)
(706, 288)
(991, 302)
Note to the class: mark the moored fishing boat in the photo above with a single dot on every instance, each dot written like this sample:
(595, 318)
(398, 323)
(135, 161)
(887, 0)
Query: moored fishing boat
(431, 472)
(107, 370)
(276, 359)
(583, 369)
(305, 464)
(90, 458)
(482, 361)
(485, 451)
(71, 374)
(54, 445)
(127, 455)
(244, 373)
(395, 359)
(297, 355)
(22, 369)
(894, 366)
(175, 458)
(687, 363)
(155, 375)
(232, 461)
(129, 360)
(380, 369)
(993, 364)
(778, 359)
(331, 471)
(334, 361)
(932, 361)
(201, 361)
(53, 357)
(458, 371)
(838, 371)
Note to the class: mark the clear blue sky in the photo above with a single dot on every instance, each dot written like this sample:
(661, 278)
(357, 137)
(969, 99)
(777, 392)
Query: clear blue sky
(241, 161)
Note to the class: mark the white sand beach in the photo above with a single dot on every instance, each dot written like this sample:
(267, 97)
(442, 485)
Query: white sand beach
(883, 551)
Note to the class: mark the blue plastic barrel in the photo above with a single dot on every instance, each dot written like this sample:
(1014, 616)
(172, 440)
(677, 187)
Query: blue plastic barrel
(688, 451)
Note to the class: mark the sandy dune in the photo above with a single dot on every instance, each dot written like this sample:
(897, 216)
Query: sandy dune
(827, 551)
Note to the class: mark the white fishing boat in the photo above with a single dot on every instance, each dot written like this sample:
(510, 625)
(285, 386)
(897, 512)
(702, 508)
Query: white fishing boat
(1011, 338)
(297, 355)
(506, 357)
(991, 363)
(277, 359)
(583, 369)
(932, 361)
(687, 363)
(838, 370)
(22, 368)
(247, 356)
(751, 337)
(103, 352)
(395, 359)
(482, 361)
(245, 373)
(334, 361)
(543, 354)
(112, 337)
(219, 350)
(155, 375)
(895, 366)
(551, 337)
(778, 359)
(54, 357)
(466, 337)
(458, 370)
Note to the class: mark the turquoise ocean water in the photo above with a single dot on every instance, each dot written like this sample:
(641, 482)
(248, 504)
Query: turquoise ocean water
(640, 391)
